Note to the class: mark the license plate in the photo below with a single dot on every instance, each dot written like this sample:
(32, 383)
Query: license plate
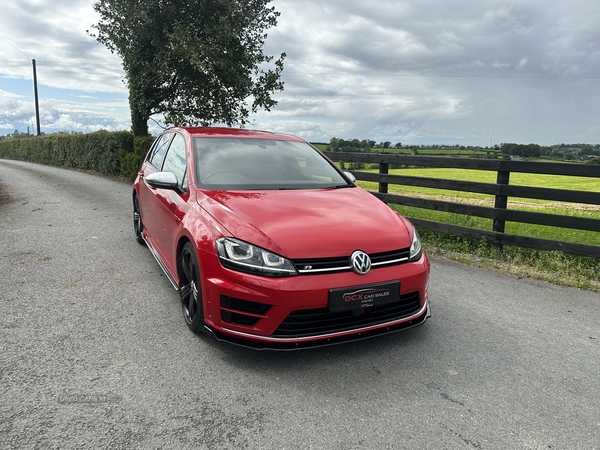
(358, 297)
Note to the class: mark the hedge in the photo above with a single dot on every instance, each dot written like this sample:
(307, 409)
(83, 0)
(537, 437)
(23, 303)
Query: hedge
(105, 152)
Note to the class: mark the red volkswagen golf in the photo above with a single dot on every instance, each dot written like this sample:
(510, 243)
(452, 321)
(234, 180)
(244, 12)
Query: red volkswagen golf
(272, 246)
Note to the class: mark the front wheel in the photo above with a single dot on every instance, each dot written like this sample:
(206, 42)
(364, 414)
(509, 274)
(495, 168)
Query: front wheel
(138, 226)
(190, 289)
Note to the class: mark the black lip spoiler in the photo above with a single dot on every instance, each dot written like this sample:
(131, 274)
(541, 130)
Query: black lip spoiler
(291, 346)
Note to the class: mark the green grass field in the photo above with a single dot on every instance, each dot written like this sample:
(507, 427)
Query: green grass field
(521, 179)
(555, 267)
(483, 176)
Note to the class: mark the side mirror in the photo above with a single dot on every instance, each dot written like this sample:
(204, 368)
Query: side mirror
(163, 180)
(350, 176)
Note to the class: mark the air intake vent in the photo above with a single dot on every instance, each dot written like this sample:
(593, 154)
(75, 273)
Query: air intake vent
(315, 322)
(242, 312)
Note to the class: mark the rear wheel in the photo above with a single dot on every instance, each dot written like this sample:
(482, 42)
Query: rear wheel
(138, 226)
(190, 289)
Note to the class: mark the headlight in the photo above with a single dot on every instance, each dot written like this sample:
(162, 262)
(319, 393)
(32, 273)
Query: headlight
(241, 256)
(416, 249)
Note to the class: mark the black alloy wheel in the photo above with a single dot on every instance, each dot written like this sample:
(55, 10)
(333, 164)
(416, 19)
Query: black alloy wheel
(190, 289)
(138, 226)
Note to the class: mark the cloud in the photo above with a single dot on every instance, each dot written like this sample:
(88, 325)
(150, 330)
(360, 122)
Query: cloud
(17, 112)
(522, 63)
(13, 111)
(410, 71)
(54, 34)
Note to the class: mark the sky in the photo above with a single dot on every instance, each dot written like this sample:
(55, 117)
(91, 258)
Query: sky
(417, 72)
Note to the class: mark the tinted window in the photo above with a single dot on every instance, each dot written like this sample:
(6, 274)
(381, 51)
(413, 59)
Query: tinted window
(175, 161)
(249, 163)
(158, 151)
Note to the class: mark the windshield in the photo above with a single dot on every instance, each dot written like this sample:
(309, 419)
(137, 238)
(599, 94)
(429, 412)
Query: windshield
(248, 163)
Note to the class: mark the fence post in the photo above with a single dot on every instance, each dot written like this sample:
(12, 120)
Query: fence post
(383, 170)
(501, 201)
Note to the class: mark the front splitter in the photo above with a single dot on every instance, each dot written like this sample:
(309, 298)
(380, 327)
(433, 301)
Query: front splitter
(291, 344)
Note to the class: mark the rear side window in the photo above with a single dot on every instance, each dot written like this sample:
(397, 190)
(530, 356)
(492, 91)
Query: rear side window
(175, 161)
(157, 153)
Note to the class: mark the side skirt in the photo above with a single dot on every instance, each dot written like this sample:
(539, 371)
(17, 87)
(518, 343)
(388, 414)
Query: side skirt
(160, 262)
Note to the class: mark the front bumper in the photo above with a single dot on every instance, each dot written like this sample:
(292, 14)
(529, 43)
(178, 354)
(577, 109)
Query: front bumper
(285, 298)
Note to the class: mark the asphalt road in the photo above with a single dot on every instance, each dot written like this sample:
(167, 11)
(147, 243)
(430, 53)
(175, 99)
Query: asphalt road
(95, 354)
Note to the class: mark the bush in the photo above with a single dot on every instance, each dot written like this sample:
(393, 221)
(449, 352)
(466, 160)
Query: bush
(594, 161)
(356, 165)
(109, 153)
(131, 161)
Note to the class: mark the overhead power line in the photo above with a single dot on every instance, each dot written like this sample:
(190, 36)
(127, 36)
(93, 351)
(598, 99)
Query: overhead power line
(15, 47)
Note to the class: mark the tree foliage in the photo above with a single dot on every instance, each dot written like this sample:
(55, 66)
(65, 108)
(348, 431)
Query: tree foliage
(352, 145)
(196, 62)
(527, 151)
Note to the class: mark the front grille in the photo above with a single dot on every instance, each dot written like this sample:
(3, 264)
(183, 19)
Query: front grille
(323, 265)
(390, 258)
(242, 312)
(343, 263)
(314, 322)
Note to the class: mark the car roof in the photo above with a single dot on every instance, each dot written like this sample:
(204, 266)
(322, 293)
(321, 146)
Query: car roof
(223, 132)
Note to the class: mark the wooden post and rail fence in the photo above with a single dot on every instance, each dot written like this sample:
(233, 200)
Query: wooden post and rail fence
(501, 190)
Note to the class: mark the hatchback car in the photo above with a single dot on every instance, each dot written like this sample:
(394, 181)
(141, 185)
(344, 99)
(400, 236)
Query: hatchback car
(271, 245)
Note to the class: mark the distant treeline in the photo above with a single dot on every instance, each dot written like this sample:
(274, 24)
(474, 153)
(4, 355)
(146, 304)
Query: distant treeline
(569, 152)
(367, 145)
(354, 145)
(527, 151)
(559, 151)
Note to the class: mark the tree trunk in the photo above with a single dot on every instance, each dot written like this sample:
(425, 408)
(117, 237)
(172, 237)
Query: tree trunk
(140, 113)
(139, 118)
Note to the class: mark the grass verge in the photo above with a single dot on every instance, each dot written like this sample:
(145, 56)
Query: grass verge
(554, 267)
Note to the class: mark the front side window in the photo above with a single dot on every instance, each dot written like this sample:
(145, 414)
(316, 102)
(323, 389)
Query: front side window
(157, 154)
(175, 161)
(251, 163)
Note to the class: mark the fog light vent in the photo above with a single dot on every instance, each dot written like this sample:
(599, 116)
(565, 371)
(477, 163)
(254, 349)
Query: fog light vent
(242, 312)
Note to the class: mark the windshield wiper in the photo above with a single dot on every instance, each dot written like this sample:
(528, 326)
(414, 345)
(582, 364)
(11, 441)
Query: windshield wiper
(337, 186)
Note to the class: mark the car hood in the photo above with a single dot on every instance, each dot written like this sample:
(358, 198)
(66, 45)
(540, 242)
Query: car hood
(308, 223)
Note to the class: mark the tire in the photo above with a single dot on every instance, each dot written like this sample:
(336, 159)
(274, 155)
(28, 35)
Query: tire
(138, 225)
(190, 289)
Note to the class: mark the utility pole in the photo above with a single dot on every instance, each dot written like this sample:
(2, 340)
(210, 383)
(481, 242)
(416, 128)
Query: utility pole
(37, 105)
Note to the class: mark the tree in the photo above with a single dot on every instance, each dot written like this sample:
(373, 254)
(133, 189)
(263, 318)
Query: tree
(196, 62)
(526, 151)
(594, 161)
